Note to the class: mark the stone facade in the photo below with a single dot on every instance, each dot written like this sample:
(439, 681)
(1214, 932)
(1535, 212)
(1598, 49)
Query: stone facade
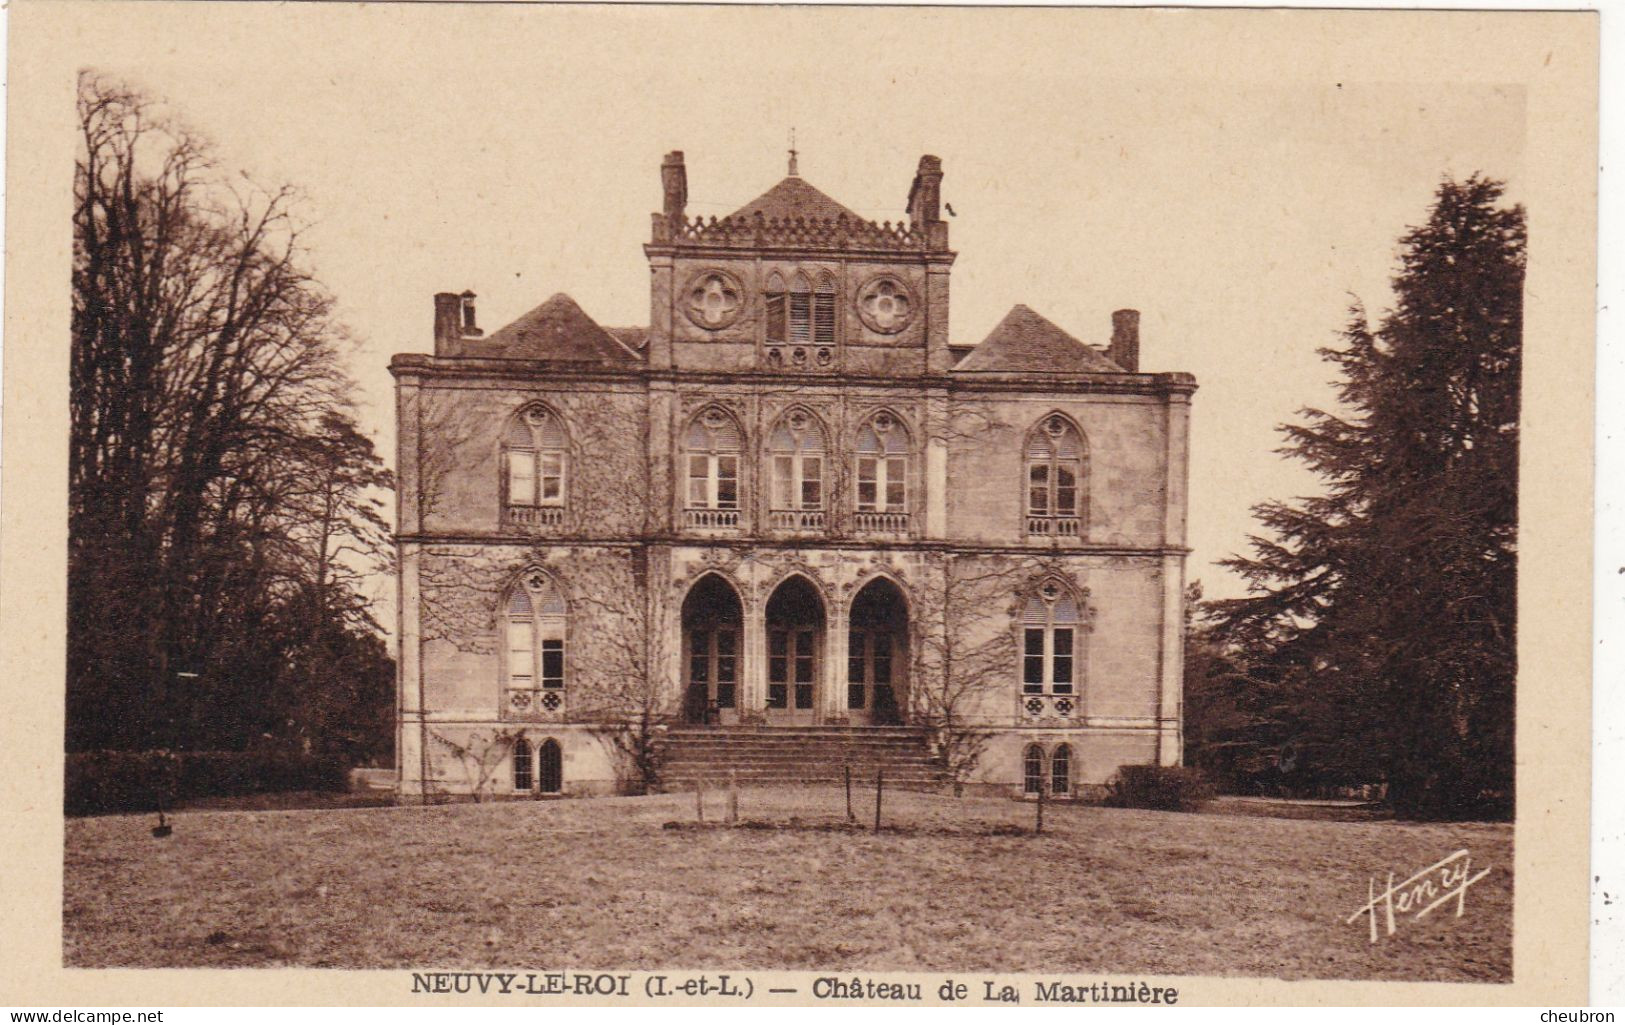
(790, 500)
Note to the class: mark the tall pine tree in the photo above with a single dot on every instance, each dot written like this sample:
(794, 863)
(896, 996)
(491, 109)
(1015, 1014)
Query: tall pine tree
(1391, 598)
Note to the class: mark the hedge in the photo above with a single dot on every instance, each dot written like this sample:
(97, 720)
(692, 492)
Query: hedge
(1159, 787)
(99, 782)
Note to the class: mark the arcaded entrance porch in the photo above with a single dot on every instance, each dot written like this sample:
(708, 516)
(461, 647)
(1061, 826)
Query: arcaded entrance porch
(877, 655)
(795, 655)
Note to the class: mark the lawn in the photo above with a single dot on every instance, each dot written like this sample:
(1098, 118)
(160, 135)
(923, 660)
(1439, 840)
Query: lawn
(601, 884)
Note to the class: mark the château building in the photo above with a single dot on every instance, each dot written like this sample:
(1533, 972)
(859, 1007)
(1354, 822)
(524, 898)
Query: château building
(792, 504)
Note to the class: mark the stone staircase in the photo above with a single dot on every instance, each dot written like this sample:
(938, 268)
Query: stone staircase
(776, 755)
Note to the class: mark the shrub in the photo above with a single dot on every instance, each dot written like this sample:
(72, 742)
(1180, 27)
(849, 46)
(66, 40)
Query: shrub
(100, 782)
(1159, 787)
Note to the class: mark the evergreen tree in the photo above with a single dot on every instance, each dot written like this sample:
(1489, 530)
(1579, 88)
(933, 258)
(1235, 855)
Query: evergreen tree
(1392, 596)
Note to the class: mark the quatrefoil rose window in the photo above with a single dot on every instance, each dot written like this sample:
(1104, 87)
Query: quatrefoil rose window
(715, 299)
(885, 305)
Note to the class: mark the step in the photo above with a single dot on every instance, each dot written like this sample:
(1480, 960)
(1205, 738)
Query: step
(714, 779)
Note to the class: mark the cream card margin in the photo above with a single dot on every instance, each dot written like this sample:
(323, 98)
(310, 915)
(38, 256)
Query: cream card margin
(1553, 55)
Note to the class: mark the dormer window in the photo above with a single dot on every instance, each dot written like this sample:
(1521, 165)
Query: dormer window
(802, 315)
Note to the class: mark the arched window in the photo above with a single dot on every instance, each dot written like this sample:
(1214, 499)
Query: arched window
(823, 312)
(549, 767)
(778, 330)
(1056, 467)
(1049, 627)
(803, 315)
(1060, 770)
(882, 475)
(534, 461)
(712, 446)
(1032, 770)
(521, 765)
(796, 448)
(535, 649)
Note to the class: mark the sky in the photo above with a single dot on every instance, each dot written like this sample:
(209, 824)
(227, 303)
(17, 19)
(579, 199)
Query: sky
(1239, 187)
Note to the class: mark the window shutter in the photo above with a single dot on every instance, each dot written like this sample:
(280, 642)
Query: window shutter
(552, 603)
(1069, 445)
(823, 319)
(551, 432)
(725, 438)
(1035, 614)
(518, 435)
(775, 317)
(800, 318)
(1066, 610)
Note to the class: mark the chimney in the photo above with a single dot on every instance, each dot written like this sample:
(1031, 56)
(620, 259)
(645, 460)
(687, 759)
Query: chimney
(448, 328)
(1125, 347)
(925, 195)
(674, 184)
(453, 321)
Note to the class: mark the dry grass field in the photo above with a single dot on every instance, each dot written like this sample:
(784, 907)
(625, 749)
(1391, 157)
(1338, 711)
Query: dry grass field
(600, 884)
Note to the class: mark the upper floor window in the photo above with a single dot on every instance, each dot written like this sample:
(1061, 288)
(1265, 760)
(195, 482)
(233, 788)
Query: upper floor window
(882, 466)
(534, 459)
(535, 649)
(796, 448)
(803, 314)
(1056, 467)
(1049, 629)
(712, 451)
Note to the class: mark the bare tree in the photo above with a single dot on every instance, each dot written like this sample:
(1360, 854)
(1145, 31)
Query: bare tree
(205, 374)
(480, 754)
(448, 425)
(965, 652)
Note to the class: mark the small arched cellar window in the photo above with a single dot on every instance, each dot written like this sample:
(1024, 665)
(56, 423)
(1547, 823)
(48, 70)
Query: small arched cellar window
(1060, 770)
(711, 448)
(1049, 642)
(1032, 770)
(521, 766)
(882, 475)
(796, 448)
(535, 624)
(1057, 478)
(534, 465)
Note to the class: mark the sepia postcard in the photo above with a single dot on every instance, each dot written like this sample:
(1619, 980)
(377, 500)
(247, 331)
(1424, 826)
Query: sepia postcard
(527, 504)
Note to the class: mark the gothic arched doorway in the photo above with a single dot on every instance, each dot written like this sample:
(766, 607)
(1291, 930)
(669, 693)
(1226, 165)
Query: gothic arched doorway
(712, 632)
(795, 643)
(877, 655)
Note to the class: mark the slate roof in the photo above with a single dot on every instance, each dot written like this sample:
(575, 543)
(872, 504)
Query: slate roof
(556, 330)
(634, 338)
(1025, 342)
(792, 198)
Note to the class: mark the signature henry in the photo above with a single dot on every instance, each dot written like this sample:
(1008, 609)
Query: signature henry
(1445, 880)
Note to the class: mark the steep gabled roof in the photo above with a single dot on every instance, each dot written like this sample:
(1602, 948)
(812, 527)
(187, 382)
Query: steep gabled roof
(556, 330)
(1027, 343)
(793, 198)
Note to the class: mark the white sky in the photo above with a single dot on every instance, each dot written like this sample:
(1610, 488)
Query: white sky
(1237, 189)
